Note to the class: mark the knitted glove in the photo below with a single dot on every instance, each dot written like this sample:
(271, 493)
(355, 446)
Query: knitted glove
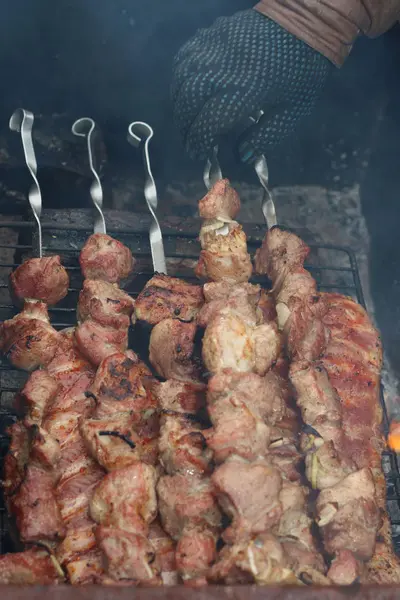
(240, 65)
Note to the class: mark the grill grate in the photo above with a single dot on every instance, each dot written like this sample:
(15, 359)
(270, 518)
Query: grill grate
(334, 268)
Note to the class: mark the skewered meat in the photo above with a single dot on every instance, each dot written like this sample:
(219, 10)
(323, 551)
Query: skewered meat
(105, 258)
(171, 350)
(336, 356)
(237, 480)
(105, 304)
(181, 396)
(124, 504)
(96, 341)
(165, 553)
(36, 396)
(233, 341)
(182, 446)
(221, 202)
(119, 386)
(189, 513)
(262, 561)
(32, 567)
(28, 340)
(166, 297)
(43, 279)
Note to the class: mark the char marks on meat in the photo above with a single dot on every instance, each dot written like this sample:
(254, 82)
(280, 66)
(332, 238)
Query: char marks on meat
(171, 350)
(165, 297)
(43, 279)
(105, 303)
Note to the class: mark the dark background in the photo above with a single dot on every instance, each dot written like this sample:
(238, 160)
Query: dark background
(110, 59)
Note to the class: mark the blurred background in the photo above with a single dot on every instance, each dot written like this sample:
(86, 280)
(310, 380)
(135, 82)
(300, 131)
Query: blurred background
(338, 178)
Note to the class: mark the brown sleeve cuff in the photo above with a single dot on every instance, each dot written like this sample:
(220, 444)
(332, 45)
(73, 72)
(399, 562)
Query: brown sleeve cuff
(315, 23)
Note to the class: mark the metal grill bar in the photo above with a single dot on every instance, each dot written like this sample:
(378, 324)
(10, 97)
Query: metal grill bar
(334, 268)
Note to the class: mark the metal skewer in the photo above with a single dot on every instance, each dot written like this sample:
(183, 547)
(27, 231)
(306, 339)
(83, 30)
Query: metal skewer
(21, 121)
(88, 129)
(212, 170)
(140, 133)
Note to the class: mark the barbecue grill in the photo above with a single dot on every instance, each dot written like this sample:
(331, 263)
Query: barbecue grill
(64, 233)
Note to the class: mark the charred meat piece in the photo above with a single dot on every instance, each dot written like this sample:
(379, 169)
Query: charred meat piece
(237, 480)
(224, 255)
(171, 350)
(221, 202)
(119, 386)
(105, 304)
(96, 342)
(28, 340)
(128, 556)
(183, 446)
(32, 567)
(37, 395)
(43, 279)
(281, 253)
(165, 297)
(105, 258)
(117, 442)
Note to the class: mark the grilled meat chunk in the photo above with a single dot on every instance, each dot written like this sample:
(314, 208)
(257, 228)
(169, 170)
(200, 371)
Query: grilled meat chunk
(181, 397)
(183, 446)
(32, 567)
(164, 548)
(96, 342)
(126, 499)
(105, 304)
(171, 350)
(105, 258)
(262, 561)
(231, 342)
(165, 297)
(43, 279)
(221, 202)
(224, 253)
(128, 556)
(37, 395)
(119, 386)
(237, 480)
(28, 340)
(117, 442)
(190, 514)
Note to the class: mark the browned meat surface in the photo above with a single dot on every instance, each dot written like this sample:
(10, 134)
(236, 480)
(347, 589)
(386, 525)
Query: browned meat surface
(190, 514)
(28, 340)
(238, 480)
(224, 253)
(182, 446)
(119, 386)
(165, 297)
(181, 396)
(336, 354)
(105, 258)
(221, 202)
(128, 556)
(117, 442)
(32, 567)
(43, 279)
(96, 341)
(124, 504)
(171, 350)
(105, 304)
(36, 396)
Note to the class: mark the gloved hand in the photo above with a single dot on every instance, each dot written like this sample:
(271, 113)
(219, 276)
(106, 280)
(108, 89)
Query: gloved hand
(240, 65)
